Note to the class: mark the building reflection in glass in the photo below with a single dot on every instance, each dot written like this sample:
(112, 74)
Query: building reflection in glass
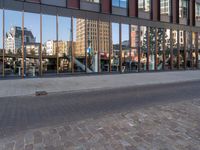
(152, 52)
(160, 39)
(126, 59)
(104, 39)
(165, 10)
(134, 48)
(32, 44)
(79, 45)
(49, 50)
(115, 53)
(188, 49)
(13, 43)
(182, 49)
(193, 51)
(167, 50)
(198, 50)
(143, 48)
(92, 45)
(175, 48)
(1, 45)
(64, 45)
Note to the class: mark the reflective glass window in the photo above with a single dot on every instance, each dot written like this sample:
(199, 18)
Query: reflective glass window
(143, 48)
(152, 52)
(115, 53)
(1, 44)
(159, 55)
(183, 11)
(13, 43)
(165, 10)
(182, 47)
(197, 13)
(79, 38)
(198, 50)
(120, 3)
(144, 7)
(49, 42)
(175, 48)
(104, 39)
(32, 44)
(134, 58)
(126, 59)
(64, 45)
(92, 45)
(188, 49)
(167, 50)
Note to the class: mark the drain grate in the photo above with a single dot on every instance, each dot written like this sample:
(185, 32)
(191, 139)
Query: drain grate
(40, 93)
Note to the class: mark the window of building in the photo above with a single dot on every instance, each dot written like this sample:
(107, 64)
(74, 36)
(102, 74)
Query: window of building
(183, 8)
(144, 5)
(1, 45)
(49, 44)
(134, 41)
(61, 3)
(32, 43)
(92, 1)
(165, 7)
(119, 3)
(197, 12)
(13, 43)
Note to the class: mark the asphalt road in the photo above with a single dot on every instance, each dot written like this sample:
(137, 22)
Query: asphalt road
(18, 114)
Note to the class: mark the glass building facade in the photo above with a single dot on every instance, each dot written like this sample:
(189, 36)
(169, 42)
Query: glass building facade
(41, 38)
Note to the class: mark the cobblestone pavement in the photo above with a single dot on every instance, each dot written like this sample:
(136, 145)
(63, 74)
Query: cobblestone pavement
(172, 126)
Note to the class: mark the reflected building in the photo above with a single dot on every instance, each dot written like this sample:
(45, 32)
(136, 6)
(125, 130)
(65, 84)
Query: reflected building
(91, 27)
(13, 41)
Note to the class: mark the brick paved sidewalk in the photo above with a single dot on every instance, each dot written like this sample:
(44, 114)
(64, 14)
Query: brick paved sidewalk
(173, 126)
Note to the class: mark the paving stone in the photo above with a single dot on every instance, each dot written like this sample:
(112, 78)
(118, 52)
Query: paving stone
(168, 127)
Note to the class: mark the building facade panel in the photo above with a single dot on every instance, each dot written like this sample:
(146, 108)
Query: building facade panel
(73, 4)
(106, 6)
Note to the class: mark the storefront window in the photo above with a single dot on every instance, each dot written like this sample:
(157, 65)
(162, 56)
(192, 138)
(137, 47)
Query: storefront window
(193, 49)
(134, 61)
(182, 49)
(175, 48)
(188, 49)
(143, 48)
(64, 45)
(126, 61)
(49, 42)
(197, 14)
(32, 44)
(79, 45)
(160, 40)
(92, 45)
(1, 45)
(152, 52)
(167, 50)
(104, 39)
(115, 54)
(199, 50)
(13, 43)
